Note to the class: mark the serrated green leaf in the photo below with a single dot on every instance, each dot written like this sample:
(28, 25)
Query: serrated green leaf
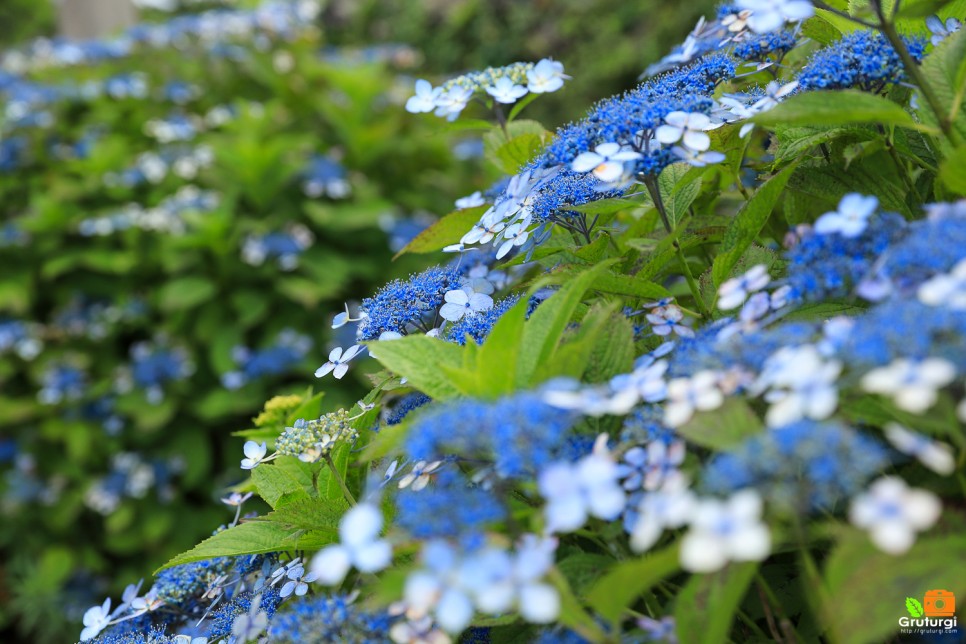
(286, 477)
(542, 332)
(839, 107)
(420, 359)
(249, 538)
(747, 224)
(448, 230)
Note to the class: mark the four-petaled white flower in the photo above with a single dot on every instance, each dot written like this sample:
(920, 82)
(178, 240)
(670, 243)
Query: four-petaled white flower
(546, 76)
(462, 301)
(947, 290)
(668, 319)
(338, 363)
(425, 98)
(359, 546)
(935, 455)
(687, 395)
(606, 161)
(298, 581)
(689, 128)
(514, 235)
(733, 292)
(723, 531)
(420, 475)
(771, 15)
(913, 384)
(254, 455)
(505, 90)
(453, 101)
(893, 512)
(96, 620)
(576, 491)
(483, 232)
(851, 218)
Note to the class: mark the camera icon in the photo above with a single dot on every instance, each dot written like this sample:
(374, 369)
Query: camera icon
(939, 603)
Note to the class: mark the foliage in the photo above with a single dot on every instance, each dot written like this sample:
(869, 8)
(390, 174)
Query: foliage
(179, 214)
(693, 374)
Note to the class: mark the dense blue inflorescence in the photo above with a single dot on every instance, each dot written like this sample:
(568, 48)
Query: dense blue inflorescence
(804, 466)
(479, 324)
(863, 59)
(328, 620)
(401, 304)
(520, 433)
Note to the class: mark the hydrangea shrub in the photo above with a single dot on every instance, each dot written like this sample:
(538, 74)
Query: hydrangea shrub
(691, 371)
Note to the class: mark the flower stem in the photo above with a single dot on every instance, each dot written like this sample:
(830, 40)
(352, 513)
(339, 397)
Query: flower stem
(655, 193)
(889, 30)
(338, 477)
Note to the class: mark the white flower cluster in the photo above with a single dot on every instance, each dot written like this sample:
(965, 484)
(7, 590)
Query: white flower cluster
(504, 85)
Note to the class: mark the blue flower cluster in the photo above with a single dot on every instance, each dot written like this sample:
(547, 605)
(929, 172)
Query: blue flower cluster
(451, 508)
(477, 326)
(519, 433)
(759, 48)
(805, 466)
(823, 266)
(863, 59)
(329, 619)
(403, 305)
(621, 118)
(405, 405)
(289, 349)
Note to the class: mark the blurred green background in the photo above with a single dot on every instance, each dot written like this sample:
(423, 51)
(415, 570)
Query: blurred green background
(138, 218)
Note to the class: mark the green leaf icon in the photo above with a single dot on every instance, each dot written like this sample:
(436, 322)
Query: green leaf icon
(914, 607)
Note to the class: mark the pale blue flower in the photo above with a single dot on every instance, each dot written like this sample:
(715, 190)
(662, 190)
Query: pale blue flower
(851, 218)
(425, 98)
(504, 90)
(546, 76)
(254, 455)
(338, 363)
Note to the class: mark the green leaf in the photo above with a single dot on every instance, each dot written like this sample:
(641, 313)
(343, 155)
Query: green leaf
(287, 477)
(629, 286)
(518, 151)
(706, 606)
(951, 171)
(420, 359)
(249, 538)
(747, 224)
(722, 428)
(914, 607)
(495, 140)
(316, 515)
(542, 332)
(933, 562)
(839, 107)
(795, 140)
(448, 230)
(624, 583)
(185, 293)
